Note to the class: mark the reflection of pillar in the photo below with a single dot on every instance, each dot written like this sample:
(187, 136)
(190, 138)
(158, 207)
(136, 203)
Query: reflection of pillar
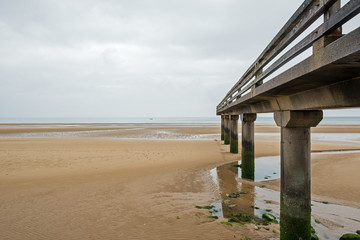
(234, 145)
(247, 199)
(227, 130)
(228, 183)
(227, 175)
(222, 127)
(247, 143)
(295, 195)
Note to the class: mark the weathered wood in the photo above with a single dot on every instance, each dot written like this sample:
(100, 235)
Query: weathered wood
(309, 17)
(303, 86)
(306, 14)
(284, 30)
(350, 10)
(333, 22)
(331, 11)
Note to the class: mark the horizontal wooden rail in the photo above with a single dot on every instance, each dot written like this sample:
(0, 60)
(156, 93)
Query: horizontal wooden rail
(335, 21)
(306, 14)
(291, 28)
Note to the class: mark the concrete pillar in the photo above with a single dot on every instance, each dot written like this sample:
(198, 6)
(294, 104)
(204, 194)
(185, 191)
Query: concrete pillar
(295, 195)
(234, 143)
(247, 143)
(227, 130)
(222, 127)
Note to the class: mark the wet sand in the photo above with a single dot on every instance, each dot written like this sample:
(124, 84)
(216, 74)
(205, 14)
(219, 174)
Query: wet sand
(115, 183)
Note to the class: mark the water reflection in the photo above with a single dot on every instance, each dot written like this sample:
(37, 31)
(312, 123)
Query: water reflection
(240, 195)
(228, 174)
(266, 168)
(329, 220)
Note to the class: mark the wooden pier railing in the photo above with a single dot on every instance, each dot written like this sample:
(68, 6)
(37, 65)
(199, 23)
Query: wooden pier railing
(309, 11)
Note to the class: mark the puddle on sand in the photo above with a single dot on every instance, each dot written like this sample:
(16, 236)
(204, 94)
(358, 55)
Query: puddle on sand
(266, 168)
(329, 220)
(253, 200)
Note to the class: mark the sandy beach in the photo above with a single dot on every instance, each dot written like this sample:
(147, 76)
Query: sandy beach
(143, 181)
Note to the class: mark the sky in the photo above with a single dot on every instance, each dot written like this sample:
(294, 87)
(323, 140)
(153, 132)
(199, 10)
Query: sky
(138, 58)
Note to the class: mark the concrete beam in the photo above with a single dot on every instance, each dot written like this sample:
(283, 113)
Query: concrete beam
(295, 195)
(343, 94)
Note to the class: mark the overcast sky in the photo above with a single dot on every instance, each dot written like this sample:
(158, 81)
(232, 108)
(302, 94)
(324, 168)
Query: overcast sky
(117, 58)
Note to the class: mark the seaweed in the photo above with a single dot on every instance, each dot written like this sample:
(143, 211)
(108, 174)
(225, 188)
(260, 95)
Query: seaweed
(234, 195)
(314, 237)
(205, 207)
(269, 218)
(239, 217)
(352, 236)
(226, 223)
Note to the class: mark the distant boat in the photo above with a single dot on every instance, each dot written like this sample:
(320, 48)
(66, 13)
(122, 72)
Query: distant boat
(151, 119)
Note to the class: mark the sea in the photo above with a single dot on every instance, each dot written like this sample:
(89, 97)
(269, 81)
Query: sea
(174, 120)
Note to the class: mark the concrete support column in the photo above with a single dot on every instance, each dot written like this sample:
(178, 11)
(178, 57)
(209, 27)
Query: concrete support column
(295, 195)
(247, 144)
(227, 130)
(222, 127)
(234, 143)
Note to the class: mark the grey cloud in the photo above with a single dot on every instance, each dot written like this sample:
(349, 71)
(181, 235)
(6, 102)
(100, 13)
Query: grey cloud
(129, 58)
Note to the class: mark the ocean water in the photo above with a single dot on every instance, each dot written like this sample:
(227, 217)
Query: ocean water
(175, 120)
(180, 120)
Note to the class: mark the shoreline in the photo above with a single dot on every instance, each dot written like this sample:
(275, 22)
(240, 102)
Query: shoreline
(340, 133)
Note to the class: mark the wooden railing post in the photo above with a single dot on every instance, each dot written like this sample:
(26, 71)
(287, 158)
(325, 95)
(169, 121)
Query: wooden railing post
(331, 37)
(253, 88)
(331, 11)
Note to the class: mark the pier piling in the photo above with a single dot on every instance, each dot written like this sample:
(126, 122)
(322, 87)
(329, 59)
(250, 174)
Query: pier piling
(234, 143)
(295, 195)
(227, 130)
(222, 127)
(247, 146)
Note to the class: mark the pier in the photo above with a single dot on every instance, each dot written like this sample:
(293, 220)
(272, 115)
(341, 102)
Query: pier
(328, 79)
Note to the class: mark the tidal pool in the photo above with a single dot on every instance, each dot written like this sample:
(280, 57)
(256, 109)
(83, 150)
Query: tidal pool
(330, 221)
